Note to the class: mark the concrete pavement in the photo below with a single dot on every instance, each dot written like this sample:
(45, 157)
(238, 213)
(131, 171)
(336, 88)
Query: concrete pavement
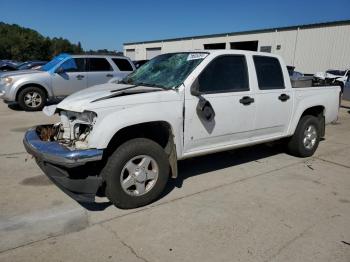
(253, 204)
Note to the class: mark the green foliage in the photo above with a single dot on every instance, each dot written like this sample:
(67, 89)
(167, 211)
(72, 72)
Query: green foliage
(104, 52)
(19, 43)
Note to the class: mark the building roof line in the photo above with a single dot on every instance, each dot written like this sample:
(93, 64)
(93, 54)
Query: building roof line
(254, 31)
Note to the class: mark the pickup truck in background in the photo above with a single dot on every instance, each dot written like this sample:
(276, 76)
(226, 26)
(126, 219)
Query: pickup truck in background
(60, 77)
(124, 140)
(333, 77)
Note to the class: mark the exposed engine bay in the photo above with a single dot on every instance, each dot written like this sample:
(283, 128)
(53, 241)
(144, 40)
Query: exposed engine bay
(73, 131)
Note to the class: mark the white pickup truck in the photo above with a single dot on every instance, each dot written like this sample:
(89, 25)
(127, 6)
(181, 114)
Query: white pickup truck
(124, 140)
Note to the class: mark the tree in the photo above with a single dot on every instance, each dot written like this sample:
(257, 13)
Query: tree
(79, 46)
(19, 43)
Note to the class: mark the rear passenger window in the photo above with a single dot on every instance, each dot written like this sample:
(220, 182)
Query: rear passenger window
(269, 72)
(99, 64)
(122, 64)
(225, 74)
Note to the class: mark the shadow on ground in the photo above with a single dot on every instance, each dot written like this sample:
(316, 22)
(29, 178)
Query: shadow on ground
(204, 164)
(15, 106)
(208, 163)
(346, 107)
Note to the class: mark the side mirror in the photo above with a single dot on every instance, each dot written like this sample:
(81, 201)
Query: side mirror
(205, 110)
(195, 88)
(59, 70)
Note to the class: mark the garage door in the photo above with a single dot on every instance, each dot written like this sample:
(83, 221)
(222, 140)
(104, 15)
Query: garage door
(215, 46)
(245, 45)
(152, 52)
(130, 53)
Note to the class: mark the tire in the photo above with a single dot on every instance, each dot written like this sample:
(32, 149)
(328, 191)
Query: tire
(124, 174)
(299, 145)
(32, 99)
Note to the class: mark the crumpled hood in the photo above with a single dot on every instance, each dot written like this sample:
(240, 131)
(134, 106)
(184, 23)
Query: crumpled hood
(109, 95)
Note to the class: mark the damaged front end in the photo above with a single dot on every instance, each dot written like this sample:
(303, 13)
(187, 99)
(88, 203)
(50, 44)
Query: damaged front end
(73, 131)
(61, 150)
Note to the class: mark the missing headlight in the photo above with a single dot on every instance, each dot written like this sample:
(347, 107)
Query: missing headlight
(75, 128)
(81, 131)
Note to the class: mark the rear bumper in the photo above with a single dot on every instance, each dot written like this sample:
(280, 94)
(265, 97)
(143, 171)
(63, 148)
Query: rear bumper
(68, 169)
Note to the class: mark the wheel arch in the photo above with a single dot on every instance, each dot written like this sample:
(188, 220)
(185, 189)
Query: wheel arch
(160, 132)
(31, 85)
(318, 111)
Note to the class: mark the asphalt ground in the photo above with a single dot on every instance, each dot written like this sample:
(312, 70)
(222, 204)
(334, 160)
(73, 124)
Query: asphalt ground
(251, 204)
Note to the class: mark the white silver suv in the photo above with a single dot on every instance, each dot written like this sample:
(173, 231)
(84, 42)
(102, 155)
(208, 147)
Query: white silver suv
(62, 76)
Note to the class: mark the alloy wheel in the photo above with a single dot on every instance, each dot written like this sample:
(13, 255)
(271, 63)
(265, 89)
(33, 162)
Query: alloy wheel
(139, 175)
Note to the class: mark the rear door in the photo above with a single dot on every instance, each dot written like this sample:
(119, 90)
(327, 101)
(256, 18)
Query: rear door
(72, 79)
(273, 98)
(124, 67)
(224, 86)
(99, 71)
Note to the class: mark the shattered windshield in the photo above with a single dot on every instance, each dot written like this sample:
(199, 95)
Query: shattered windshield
(165, 71)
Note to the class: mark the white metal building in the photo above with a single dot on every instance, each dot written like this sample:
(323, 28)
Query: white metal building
(310, 48)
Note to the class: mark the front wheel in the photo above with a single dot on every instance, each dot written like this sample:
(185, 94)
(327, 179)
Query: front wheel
(32, 99)
(136, 173)
(306, 137)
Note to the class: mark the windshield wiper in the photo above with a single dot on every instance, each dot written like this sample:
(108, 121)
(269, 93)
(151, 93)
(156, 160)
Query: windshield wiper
(124, 82)
(133, 84)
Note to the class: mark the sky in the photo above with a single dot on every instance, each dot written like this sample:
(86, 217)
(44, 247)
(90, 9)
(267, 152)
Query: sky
(100, 24)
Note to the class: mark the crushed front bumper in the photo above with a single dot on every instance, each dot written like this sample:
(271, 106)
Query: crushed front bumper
(68, 169)
(56, 153)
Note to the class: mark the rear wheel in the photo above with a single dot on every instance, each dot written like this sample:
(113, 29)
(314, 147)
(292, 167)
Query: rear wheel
(32, 99)
(136, 173)
(306, 138)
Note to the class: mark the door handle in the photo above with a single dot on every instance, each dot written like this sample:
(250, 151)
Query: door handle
(283, 97)
(109, 75)
(246, 100)
(79, 77)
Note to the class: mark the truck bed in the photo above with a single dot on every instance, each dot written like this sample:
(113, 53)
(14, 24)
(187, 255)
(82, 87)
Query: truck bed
(328, 96)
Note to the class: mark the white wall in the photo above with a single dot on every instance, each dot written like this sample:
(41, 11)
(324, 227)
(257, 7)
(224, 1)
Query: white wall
(309, 50)
(320, 49)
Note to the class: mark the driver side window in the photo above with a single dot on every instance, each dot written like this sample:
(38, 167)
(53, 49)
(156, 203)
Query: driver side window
(225, 74)
(74, 65)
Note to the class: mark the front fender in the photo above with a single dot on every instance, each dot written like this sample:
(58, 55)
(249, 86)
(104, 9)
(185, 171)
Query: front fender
(111, 121)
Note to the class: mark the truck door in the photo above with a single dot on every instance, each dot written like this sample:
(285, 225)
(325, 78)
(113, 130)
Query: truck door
(222, 113)
(71, 79)
(274, 99)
